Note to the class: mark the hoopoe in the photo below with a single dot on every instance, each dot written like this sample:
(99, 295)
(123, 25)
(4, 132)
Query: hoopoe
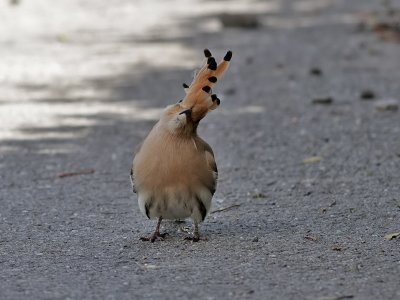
(174, 171)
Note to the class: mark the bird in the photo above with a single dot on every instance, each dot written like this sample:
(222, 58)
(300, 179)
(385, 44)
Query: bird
(174, 171)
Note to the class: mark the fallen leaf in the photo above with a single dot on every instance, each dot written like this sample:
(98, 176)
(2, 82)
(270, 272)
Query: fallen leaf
(391, 236)
(259, 195)
(311, 238)
(312, 159)
(388, 31)
(387, 105)
(150, 266)
(385, 25)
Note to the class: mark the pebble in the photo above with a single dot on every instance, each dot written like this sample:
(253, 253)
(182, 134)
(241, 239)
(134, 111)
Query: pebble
(387, 105)
(239, 20)
(322, 100)
(367, 95)
(316, 72)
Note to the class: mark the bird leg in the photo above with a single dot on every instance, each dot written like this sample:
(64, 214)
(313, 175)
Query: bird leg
(156, 235)
(196, 235)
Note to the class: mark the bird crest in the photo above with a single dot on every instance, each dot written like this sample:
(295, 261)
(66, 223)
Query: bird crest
(199, 99)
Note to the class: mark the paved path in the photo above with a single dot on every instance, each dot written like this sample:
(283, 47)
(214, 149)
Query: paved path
(82, 84)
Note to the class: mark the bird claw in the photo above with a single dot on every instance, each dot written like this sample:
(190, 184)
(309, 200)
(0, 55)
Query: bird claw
(196, 238)
(192, 238)
(155, 236)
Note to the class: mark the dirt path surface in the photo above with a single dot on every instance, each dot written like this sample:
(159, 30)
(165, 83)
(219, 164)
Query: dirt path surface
(307, 191)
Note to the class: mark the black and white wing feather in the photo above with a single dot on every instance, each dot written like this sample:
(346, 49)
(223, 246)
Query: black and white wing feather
(132, 175)
(133, 181)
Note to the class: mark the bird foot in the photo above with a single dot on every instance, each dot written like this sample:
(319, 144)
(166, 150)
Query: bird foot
(179, 221)
(196, 238)
(155, 236)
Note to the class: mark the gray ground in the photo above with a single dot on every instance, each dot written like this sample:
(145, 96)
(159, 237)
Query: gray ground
(82, 84)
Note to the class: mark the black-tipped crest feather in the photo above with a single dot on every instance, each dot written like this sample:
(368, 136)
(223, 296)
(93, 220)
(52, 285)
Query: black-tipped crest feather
(207, 53)
(206, 88)
(212, 79)
(228, 56)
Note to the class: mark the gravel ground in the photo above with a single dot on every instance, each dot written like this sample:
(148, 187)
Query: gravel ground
(307, 191)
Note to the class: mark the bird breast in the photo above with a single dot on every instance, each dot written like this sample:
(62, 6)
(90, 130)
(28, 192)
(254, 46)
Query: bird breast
(173, 178)
(170, 161)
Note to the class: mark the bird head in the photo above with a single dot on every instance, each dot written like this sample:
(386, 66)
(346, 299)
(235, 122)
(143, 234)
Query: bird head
(185, 115)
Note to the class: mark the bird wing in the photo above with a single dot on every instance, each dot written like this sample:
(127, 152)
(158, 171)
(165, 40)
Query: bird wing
(133, 181)
(211, 160)
(132, 175)
(209, 154)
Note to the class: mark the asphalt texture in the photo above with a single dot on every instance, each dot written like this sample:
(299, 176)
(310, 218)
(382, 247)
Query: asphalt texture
(307, 191)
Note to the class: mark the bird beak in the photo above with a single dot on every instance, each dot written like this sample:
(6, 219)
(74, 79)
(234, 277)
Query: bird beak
(186, 111)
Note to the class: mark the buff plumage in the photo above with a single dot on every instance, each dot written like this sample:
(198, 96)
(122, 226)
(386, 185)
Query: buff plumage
(174, 171)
